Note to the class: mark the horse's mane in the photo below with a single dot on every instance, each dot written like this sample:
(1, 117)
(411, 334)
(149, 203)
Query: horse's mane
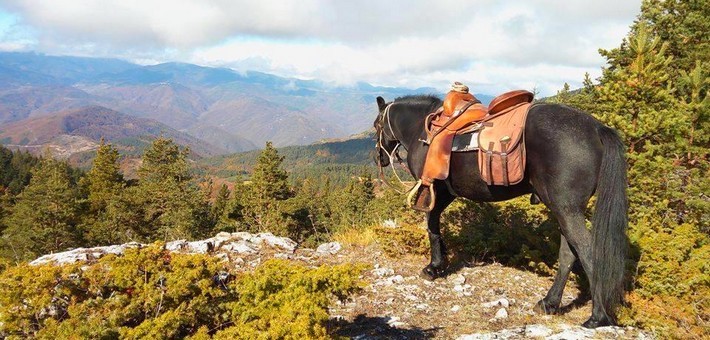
(429, 100)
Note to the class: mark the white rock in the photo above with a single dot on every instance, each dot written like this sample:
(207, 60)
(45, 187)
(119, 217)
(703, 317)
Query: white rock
(513, 333)
(282, 242)
(329, 248)
(382, 272)
(459, 288)
(455, 308)
(422, 306)
(502, 302)
(396, 279)
(200, 247)
(394, 322)
(573, 333)
(459, 280)
(537, 331)
(501, 314)
(240, 247)
(389, 224)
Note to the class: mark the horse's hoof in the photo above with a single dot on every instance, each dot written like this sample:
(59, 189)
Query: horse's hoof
(543, 307)
(431, 273)
(594, 323)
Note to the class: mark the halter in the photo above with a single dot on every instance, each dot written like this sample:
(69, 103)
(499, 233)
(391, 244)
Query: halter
(390, 154)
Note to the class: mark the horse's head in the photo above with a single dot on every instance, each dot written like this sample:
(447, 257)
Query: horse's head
(385, 142)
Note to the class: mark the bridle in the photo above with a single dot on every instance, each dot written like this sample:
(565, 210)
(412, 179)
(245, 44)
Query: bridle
(392, 155)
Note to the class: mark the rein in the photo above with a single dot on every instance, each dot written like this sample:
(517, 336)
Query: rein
(392, 155)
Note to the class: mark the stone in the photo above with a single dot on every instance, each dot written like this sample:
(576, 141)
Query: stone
(281, 242)
(571, 333)
(459, 280)
(395, 279)
(240, 247)
(393, 321)
(502, 302)
(330, 248)
(382, 272)
(455, 308)
(501, 314)
(537, 331)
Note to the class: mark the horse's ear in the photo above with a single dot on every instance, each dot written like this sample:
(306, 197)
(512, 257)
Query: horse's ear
(381, 103)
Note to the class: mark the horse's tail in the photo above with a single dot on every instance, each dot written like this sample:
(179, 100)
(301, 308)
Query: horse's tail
(610, 221)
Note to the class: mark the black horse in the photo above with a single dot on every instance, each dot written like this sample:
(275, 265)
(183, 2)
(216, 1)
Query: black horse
(570, 156)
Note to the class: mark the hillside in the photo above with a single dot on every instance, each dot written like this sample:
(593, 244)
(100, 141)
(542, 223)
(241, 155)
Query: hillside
(338, 159)
(234, 111)
(477, 301)
(73, 132)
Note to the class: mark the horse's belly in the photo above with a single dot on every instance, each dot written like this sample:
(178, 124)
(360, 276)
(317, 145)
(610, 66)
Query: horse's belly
(466, 181)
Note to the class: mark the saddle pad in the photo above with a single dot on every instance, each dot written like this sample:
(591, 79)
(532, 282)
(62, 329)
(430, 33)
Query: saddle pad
(465, 142)
(501, 156)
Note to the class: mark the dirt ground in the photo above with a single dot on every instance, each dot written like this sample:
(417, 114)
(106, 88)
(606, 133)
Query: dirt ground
(399, 304)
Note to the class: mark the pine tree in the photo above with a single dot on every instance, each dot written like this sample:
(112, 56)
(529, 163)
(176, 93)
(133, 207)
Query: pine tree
(684, 25)
(104, 181)
(637, 99)
(266, 193)
(46, 214)
(219, 206)
(659, 105)
(169, 200)
(269, 181)
(353, 202)
(109, 219)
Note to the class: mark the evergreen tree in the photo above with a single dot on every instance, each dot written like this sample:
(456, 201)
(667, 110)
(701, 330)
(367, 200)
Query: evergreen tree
(351, 204)
(104, 181)
(660, 107)
(269, 180)
(684, 25)
(16, 169)
(637, 99)
(169, 200)
(109, 219)
(219, 207)
(46, 214)
(267, 191)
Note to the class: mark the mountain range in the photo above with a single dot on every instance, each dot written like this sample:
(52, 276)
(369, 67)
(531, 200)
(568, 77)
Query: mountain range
(212, 110)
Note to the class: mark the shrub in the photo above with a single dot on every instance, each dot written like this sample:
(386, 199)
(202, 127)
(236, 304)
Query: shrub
(512, 232)
(672, 281)
(151, 293)
(402, 239)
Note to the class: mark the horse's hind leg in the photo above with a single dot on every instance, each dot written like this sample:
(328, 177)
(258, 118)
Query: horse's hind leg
(572, 224)
(437, 265)
(551, 303)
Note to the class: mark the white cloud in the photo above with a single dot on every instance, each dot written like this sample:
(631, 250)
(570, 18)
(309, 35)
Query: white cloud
(406, 43)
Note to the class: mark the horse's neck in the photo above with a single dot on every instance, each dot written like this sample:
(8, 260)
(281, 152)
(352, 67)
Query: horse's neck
(408, 126)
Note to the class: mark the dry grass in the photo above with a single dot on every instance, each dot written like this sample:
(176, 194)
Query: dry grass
(360, 237)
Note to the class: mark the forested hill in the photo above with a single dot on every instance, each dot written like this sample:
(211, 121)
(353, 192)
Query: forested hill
(339, 159)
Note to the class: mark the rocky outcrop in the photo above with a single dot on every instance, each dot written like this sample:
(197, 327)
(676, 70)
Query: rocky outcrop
(241, 243)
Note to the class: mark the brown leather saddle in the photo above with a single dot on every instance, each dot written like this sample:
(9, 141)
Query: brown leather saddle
(500, 141)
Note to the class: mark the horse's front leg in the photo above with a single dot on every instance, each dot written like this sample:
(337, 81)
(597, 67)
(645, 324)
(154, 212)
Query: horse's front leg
(437, 266)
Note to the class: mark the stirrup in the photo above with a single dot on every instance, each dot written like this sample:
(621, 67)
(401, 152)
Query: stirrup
(420, 198)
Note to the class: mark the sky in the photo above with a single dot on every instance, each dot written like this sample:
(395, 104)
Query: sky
(492, 46)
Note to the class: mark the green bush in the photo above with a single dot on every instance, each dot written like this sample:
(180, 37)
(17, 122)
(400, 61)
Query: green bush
(513, 233)
(404, 239)
(151, 293)
(672, 283)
